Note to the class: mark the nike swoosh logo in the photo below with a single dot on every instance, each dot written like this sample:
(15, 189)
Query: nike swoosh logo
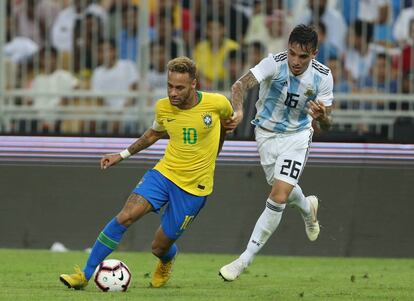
(122, 276)
(170, 119)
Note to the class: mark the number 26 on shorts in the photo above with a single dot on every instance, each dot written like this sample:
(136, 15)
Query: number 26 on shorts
(291, 168)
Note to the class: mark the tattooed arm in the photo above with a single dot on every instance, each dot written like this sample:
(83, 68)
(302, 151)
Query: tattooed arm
(147, 139)
(238, 89)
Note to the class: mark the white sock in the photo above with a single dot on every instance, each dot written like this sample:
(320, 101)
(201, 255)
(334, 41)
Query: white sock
(265, 226)
(298, 199)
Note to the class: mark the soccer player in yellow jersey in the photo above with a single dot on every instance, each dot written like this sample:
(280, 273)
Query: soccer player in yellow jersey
(183, 178)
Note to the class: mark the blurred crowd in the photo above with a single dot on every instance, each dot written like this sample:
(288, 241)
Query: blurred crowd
(117, 45)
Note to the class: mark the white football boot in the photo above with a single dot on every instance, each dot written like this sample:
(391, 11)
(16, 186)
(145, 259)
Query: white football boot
(311, 222)
(233, 270)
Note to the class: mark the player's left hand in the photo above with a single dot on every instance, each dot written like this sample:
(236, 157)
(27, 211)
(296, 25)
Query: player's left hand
(317, 110)
(231, 123)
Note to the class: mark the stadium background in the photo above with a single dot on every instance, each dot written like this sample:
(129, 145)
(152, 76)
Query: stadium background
(53, 87)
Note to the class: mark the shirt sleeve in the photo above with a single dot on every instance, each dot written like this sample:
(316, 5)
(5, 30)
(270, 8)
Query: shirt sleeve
(225, 110)
(325, 93)
(265, 69)
(158, 124)
(157, 127)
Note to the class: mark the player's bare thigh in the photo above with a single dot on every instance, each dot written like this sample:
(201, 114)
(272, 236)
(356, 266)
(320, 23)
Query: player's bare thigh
(135, 207)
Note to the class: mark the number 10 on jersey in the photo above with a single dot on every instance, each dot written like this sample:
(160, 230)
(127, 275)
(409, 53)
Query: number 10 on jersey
(189, 135)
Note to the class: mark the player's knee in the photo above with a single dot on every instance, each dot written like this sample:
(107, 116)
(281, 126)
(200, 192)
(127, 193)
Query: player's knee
(125, 218)
(278, 196)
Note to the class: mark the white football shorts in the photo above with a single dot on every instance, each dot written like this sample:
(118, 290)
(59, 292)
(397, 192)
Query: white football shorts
(283, 156)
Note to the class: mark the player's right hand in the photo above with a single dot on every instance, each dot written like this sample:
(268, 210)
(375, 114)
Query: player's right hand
(231, 123)
(109, 160)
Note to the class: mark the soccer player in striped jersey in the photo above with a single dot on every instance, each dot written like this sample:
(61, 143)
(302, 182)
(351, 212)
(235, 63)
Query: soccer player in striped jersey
(180, 181)
(295, 89)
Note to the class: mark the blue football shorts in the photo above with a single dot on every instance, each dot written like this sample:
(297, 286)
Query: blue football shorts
(182, 207)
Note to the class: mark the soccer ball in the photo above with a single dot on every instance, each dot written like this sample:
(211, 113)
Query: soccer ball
(112, 275)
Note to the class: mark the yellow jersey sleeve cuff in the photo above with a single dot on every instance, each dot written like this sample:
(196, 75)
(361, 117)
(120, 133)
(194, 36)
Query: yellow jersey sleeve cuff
(157, 127)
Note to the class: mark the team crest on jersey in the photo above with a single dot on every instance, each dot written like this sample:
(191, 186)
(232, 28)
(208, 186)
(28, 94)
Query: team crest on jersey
(207, 119)
(310, 91)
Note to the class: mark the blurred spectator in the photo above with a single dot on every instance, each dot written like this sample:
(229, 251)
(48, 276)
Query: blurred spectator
(128, 36)
(166, 35)
(379, 14)
(408, 85)
(407, 56)
(236, 21)
(279, 25)
(256, 30)
(17, 52)
(254, 53)
(115, 15)
(380, 79)
(341, 84)
(398, 5)
(360, 53)
(17, 49)
(211, 54)
(50, 80)
(197, 24)
(402, 24)
(62, 30)
(46, 12)
(181, 16)
(157, 75)
(87, 33)
(374, 11)
(234, 66)
(271, 30)
(349, 10)
(114, 75)
(319, 11)
(325, 49)
(28, 23)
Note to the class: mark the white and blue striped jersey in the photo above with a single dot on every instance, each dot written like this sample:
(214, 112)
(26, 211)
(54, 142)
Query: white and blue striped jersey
(283, 97)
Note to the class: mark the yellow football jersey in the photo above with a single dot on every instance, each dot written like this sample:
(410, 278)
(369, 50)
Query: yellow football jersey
(191, 153)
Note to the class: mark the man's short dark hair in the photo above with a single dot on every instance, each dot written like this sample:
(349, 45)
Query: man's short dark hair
(183, 64)
(306, 36)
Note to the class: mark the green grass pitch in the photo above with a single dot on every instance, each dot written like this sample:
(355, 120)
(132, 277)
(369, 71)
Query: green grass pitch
(33, 275)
